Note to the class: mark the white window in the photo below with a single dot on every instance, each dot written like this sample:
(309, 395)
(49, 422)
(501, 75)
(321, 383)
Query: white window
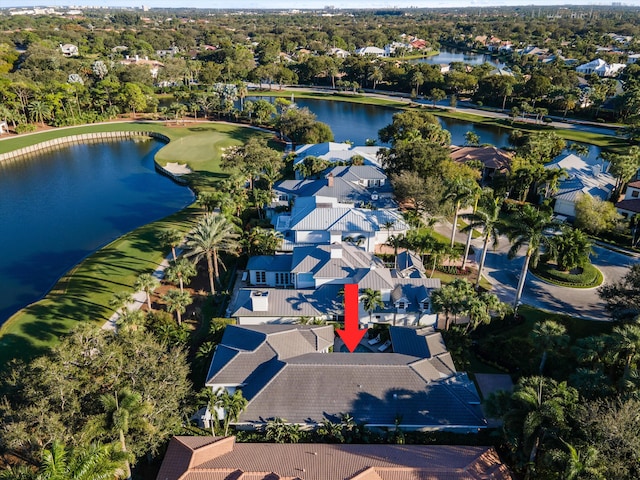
(283, 278)
(261, 277)
(401, 305)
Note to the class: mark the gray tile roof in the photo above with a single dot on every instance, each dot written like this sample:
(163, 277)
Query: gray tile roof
(375, 394)
(290, 379)
(281, 303)
(313, 258)
(423, 342)
(408, 260)
(270, 263)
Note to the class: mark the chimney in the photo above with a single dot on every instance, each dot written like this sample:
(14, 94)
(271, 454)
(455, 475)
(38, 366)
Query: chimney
(137, 58)
(330, 180)
(596, 170)
(336, 252)
(259, 301)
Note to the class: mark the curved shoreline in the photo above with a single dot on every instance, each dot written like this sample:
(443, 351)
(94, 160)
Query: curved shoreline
(66, 303)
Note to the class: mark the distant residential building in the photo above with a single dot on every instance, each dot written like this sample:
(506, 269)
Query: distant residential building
(391, 48)
(337, 153)
(494, 160)
(69, 50)
(633, 58)
(339, 53)
(630, 204)
(355, 185)
(600, 68)
(370, 51)
(502, 72)
(171, 52)
(584, 177)
(153, 65)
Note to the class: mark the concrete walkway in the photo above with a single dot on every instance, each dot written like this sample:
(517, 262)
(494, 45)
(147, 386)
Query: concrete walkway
(140, 297)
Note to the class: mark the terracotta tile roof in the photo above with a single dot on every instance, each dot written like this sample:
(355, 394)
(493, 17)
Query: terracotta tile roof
(328, 462)
(631, 205)
(634, 184)
(491, 157)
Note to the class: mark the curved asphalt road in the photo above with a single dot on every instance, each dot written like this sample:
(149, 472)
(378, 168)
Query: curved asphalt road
(578, 302)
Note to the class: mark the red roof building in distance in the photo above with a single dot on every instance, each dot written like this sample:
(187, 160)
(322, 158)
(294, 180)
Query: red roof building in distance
(494, 160)
(220, 458)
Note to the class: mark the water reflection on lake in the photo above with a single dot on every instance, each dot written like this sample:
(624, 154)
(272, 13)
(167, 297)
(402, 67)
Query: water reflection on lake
(449, 55)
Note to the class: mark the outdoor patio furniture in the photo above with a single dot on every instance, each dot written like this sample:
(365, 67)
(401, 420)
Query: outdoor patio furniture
(384, 346)
(375, 340)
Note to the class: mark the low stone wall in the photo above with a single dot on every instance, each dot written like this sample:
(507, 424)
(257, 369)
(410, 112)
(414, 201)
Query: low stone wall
(58, 143)
(61, 142)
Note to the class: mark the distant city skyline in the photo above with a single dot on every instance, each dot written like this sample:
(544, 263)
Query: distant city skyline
(309, 4)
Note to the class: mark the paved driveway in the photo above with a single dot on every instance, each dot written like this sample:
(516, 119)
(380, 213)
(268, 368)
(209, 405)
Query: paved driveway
(578, 302)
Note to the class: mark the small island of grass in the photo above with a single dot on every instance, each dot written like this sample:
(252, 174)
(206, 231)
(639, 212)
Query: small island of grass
(586, 276)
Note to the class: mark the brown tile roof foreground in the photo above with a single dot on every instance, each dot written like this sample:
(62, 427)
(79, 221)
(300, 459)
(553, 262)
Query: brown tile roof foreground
(220, 458)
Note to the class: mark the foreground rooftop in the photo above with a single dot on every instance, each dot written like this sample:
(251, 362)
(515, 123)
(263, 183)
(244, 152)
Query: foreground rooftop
(220, 458)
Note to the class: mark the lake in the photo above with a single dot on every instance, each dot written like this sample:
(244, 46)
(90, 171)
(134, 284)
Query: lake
(449, 55)
(357, 122)
(58, 207)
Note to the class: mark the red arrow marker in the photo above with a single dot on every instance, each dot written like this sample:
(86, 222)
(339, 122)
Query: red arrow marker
(351, 335)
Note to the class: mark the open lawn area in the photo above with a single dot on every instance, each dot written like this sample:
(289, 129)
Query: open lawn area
(198, 144)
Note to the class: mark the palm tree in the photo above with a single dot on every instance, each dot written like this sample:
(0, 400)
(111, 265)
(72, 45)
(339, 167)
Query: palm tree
(626, 345)
(583, 463)
(171, 237)
(120, 301)
(212, 234)
(92, 462)
(376, 76)
(232, 404)
(209, 398)
(279, 430)
(487, 217)
(180, 271)
(263, 241)
(570, 249)
(371, 299)
(124, 411)
(39, 111)
(148, 283)
(242, 92)
(528, 229)
(130, 321)
(395, 241)
(418, 79)
(462, 192)
(549, 335)
(177, 301)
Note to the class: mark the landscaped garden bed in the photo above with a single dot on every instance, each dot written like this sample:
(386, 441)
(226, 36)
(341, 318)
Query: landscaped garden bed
(586, 276)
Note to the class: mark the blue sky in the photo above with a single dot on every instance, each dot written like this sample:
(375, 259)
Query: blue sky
(303, 3)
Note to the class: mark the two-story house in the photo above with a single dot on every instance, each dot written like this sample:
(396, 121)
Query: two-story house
(324, 220)
(309, 282)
